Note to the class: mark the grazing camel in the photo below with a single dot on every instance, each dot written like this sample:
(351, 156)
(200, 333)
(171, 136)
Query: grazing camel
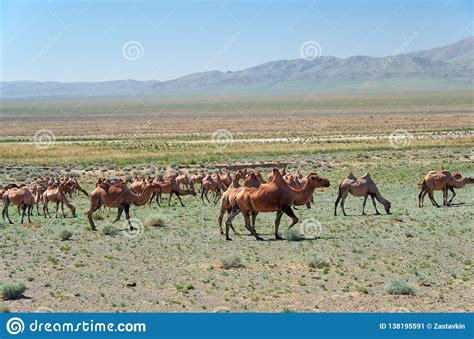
(19, 197)
(119, 196)
(73, 186)
(362, 187)
(442, 180)
(305, 197)
(57, 194)
(275, 196)
(211, 183)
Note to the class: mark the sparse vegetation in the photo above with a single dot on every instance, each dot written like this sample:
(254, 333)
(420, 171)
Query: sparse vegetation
(231, 262)
(12, 290)
(65, 234)
(109, 230)
(400, 287)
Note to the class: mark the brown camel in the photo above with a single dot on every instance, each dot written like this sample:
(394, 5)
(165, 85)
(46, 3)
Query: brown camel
(57, 194)
(362, 187)
(229, 196)
(226, 179)
(211, 183)
(119, 196)
(171, 187)
(19, 197)
(442, 180)
(275, 196)
(305, 197)
(197, 179)
(183, 180)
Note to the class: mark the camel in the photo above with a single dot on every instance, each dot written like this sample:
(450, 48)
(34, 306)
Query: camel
(229, 196)
(275, 196)
(138, 185)
(171, 187)
(57, 194)
(306, 196)
(183, 180)
(211, 183)
(73, 187)
(119, 196)
(197, 179)
(226, 179)
(442, 180)
(362, 187)
(19, 197)
(260, 178)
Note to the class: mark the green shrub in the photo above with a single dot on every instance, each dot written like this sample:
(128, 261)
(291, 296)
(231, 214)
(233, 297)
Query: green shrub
(4, 308)
(400, 287)
(318, 262)
(65, 234)
(293, 234)
(231, 262)
(109, 230)
(13, 291)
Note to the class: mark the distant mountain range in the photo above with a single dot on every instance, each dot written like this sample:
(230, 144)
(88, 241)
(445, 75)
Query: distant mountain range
(448, 67)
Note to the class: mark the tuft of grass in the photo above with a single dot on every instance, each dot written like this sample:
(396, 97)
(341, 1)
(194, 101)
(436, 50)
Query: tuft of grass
(293, 234)
(13, 291)
(65, 234)
(319, 262)
(400, 287)
(109, 230)
(156, 221)
(231, 262)
(184, 288)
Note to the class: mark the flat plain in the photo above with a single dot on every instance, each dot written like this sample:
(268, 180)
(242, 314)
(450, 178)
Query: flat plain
(178, 261)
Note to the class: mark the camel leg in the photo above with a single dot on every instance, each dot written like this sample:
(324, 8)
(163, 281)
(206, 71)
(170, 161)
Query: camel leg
(219, 220)
(363, 204)
(127, 215)
(289, 212)
(62, 210)
(343, 199)
(57, 208)
(6, 203)
(169, 200)
(277, 225)
(151, 199)
(248, 226)
(254, 217)
(430, 194)
(179, 198)
(337, 203)
(375, 205)
(23, 212)
(421, 196)
(90, 213)
(308, 205)
(45, 207)
(454, 194)
(228, 224)
(206, 195)
(30, 212)
(119, 213)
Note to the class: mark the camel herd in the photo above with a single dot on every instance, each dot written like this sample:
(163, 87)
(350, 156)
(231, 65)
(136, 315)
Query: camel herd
(280, 192)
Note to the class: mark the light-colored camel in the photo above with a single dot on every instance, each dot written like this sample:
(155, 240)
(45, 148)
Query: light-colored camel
(442, 180)
(275, 196)
(362, 187)
(19, 197)
(56, 194)
(119, 196)
(424, 190)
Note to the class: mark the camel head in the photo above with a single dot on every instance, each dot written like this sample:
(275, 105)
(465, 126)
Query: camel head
(193, 191)
(317, 181)
(387, 205)
(457, 175)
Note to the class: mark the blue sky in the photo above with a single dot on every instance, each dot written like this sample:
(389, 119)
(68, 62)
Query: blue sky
(84, 40)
